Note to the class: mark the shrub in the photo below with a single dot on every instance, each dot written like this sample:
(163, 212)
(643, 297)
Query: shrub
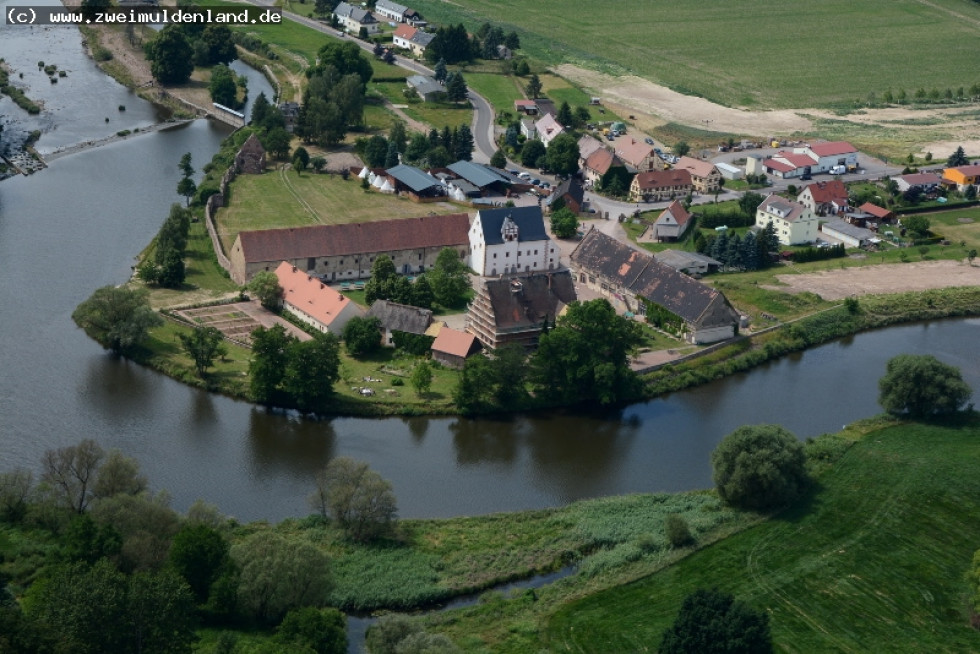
(678, 533)
(759, 467)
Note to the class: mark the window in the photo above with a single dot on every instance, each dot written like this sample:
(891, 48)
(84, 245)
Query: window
(535, 252)
(420, 257)
(494, 255)
(508, 255)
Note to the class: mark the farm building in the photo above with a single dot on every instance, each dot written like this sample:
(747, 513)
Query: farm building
(427, 87)
(631, 280)
(452, 347)
(396, 317)
(313, 302)
(850, 235)
(728, 171)
(810, 159)
(880, 213)
(689, 263)
(416, 183)
(347, 251)
(515, 309)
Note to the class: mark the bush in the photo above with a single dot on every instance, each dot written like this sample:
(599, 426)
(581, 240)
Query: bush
(759, 467)
(678, 533)
(711, 622)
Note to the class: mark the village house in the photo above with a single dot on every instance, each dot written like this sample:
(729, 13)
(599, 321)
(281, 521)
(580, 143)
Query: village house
(352, 19)
(705, 177)
(570, 192)
(547, 129)
(397, 13)
(313, 302)
(637, 155)
(794, 223)
(511, 240)
(515, 309)
(452, 347)
(427, 87)
(631, 280)
(672, 222)
(395, 317)
(961, 177)
(924, 182)
(402, 36)
(824, 198)
(347, 251)
(658, 185)
(528, 129)
(586, 146)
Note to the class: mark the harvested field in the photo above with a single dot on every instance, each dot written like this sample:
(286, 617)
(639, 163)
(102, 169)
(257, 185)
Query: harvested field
(868, 280)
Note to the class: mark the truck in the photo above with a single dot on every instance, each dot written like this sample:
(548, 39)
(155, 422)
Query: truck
(838, 170)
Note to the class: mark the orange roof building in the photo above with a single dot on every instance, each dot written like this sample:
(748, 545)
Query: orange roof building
(314, 302)
(451, 347)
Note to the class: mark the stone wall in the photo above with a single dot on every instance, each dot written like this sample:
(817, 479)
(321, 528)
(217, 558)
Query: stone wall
(210, 209)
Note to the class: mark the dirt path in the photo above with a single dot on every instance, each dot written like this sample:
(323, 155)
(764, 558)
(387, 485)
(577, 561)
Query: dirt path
(886, 278)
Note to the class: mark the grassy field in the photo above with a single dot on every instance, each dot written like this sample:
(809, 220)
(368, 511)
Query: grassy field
(766, 54)
(871, 562)
(285, 199)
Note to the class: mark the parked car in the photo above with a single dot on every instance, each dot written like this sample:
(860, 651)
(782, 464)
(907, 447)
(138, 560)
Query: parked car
(524, 176)
(648, 141)
(536, 181)
(514, 171)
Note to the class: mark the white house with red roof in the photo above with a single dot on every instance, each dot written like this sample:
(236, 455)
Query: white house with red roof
(402, 36)
(672, 223)
(314, 302)
(830, 154)
(793, 222)
(810, 159)
(824, 198)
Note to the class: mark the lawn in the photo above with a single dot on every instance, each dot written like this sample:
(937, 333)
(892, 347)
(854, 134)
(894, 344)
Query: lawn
(499, 90)
(873, 561)
(285, 199)
(842, 50)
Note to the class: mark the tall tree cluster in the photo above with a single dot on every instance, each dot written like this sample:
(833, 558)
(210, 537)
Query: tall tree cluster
(287, 372)
(334, 97)
(166, 268)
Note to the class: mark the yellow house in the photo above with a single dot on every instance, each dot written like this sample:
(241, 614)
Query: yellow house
(962, 176)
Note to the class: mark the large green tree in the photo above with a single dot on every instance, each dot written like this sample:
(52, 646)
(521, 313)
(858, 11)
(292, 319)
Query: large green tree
(203, 345)
(920, 385)
(564, 223)
(958, 158)
(268, 364)
(222, 87)
(199, 554)
(362, 336)
(312, 368)
(118, 318)
(358, 498)
(586, 356)
(171, 56)
(218, 45)
(759, 467)
(449, 278)
(533, 154)
(563, 154)
(713, 622)
(346, 58)
(324, 631)
(70, 473)
(264, 286)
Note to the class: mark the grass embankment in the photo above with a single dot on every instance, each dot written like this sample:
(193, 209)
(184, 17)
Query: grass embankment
(872, 561)
(710, 50)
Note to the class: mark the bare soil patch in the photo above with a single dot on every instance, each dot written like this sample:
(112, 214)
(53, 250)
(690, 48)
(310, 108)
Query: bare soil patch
(890, 278)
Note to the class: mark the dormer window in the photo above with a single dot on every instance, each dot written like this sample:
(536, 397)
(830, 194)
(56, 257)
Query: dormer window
(509, 230)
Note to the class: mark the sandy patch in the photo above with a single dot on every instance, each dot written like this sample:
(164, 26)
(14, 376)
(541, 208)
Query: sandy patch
(889, 278)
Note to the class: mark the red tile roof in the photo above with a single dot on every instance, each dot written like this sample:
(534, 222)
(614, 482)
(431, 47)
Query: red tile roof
(355, 238)
(678, 212)
(309, 294)
(827, 192)
(601, 161)
(452, 342)
(875, 210)
(778, 165)
(696, 166)
(632, 151)
(831, 148)
(663, 178)
(405, 31)
(794, 159)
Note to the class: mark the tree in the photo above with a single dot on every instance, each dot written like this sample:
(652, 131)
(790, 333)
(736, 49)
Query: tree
(564, 223)
(268, 364)
(391, 158)
(563, 154)
(161, 613)
(749, 203)
(533, 88)
(918, 225)
(346, 58)
(118, 319)
(119, 475)
(564, 116)
(375, 151)
(358, 498)
(421, 378)
(970, 194)
(381, 283)
(187, 188)
(498, 160)
(301, 154)
(439, 73)
(280, 574)
(265, 287)
(920, 386)
(219, 46)
(15, 489)
(449, 278)
(474, 391)
(277, 142)
(146, 524)
(586, 356)
(971, 255)
(362, 336)
(398, 135)
(677, 531)
(202, 345)
(958, 158)
(222, 86)
(759, 467)
(171, 56)
(973, 580)
(312, 368)
(681, 148)
(185, 164)
(521, 67)
(463, 146)
(533, 154)
(421, 294)
(713, 622)
(456, 88)
(324, 631)
(200, 555)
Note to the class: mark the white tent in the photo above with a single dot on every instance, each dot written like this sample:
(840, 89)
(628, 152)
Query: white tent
(387, 187)
(378, 181)
(364, 173)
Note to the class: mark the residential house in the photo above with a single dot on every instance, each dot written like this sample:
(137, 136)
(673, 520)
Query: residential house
(515, 309)
(396, 317)
(548, 128)
(705, 177)
(659, 185)
(352, 19)
(689, 263)
(962, 176)
(570, 192)
(638, 156)
(511, 240)
(598, 164)
(313, 302)
(402, 36)
(347, 251)
(586, 146)
(824, 198)
(452, 347)
(672, 222)
(631, 280)
(528, 129)
(420, 41)
(391, 10)
(427, 87)
(794, 223)
(924, 182)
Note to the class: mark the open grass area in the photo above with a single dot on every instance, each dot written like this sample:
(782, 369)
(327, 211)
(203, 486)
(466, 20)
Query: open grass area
(737, 56)
(872, 561)
(388, 365)
(285, 199)
(499, 90)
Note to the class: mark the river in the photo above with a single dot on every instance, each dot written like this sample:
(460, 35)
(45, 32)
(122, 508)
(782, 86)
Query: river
(77, 226)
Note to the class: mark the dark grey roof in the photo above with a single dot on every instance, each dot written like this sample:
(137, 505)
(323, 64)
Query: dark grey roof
(413, 178)
(571, 187)
(522, 303)
(530, 224)
(422, 38)
(358, 14)
(846, 228)
(391, 6)
(425, 85)
(678, 259)
(401, 317)
(639, 272)
(477, 174)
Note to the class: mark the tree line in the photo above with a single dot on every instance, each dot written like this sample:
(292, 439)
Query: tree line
(437, 149)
